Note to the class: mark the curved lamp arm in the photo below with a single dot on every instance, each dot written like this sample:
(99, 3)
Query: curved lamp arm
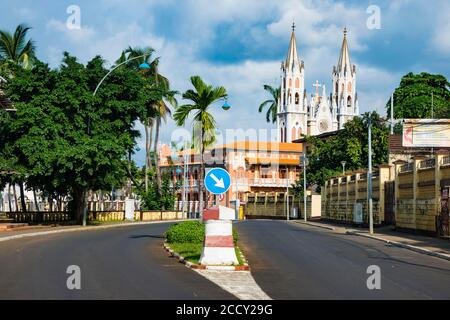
(120, 64)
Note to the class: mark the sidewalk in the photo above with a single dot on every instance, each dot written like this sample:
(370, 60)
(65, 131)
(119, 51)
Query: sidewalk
(33, 231)
(438, 247)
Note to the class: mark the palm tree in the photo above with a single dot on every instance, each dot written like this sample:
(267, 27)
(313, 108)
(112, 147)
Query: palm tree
(271, 114)
(202, 97)
(15, 47)
(158, 107)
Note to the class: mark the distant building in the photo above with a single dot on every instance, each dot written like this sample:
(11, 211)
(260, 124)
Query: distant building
(299, 114)
(253, 167)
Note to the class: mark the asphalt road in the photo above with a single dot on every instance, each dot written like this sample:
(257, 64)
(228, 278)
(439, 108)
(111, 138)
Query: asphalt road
(118, 263)
(293, 261)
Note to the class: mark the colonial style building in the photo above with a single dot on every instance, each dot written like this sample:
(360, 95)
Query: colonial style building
(299, 114)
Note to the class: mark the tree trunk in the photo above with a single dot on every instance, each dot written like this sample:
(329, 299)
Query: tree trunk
(78, 204)
(22, 197)
(147, 151)
(9, 197)
(15, 198)
(36, 204)
(150, 142)
(202, 173)
(158, 173)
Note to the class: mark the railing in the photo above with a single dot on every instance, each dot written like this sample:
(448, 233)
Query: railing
(268, 182)
(407, 167)
(428, 163)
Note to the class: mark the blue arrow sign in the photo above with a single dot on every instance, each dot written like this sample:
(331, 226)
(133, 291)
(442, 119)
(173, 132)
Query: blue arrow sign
(217, 181)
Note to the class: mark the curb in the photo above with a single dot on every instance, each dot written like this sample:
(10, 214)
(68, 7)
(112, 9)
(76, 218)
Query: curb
(402, 245)
(315, 225)
(191, 265)
(88, 228)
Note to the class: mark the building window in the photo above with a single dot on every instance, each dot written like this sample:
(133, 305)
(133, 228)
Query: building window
(293, 134)
(297, 83)
(290, 83)
(349, 102)
(349, 87)
(282, 135)
(297, 98)
(299, 133)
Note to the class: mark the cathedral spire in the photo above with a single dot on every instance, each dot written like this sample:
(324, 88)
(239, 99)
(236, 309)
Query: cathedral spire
(292, 56)
(344, 57)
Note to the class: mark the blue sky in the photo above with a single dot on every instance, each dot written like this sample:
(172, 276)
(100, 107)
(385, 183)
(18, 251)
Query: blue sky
(239, 43)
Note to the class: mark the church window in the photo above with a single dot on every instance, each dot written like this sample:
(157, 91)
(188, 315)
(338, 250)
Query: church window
(297, 83)
(349, 87)
(337, 87)
(349, 102)
(290, 83)
(282, 135)
(299, 133)
(342, 88)
(293, 133)
(297, 98)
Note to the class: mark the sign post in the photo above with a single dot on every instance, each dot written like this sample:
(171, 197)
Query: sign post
(218, 248)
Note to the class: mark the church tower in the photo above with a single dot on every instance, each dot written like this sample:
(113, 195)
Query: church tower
(292, 110)
(344, 96)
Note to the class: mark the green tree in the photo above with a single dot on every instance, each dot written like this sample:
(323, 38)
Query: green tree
(158, 107)
(63, 138)
(349, 145)
(414, 98)
(202, 98)
(271, 113)
(16, 48)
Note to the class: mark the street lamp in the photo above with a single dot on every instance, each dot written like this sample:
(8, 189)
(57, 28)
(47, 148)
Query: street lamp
(343, 166)
(369, 177)
(142, 66)
(304, 162)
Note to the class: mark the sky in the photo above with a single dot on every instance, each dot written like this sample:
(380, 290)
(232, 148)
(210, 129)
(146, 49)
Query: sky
(239, 44)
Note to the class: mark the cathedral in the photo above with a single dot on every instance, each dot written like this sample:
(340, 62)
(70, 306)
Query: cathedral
(299, 114)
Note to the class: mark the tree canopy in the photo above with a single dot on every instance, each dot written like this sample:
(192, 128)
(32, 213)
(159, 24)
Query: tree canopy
(349, 145)
(64, 140)
(416, 95)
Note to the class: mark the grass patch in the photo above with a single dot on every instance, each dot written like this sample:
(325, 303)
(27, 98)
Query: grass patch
(192, 252)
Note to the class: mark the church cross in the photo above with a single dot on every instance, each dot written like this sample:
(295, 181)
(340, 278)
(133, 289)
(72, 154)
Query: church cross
(317, 85)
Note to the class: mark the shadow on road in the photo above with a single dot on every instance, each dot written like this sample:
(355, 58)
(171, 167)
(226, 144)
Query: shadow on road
(146, 236)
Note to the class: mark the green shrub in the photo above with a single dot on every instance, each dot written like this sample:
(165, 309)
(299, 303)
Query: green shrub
(190, 232)
(186, 232)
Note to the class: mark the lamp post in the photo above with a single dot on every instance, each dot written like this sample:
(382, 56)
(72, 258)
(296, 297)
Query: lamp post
(142, 67)
(287, 193)
(343, 166)
(304, 162)
(369, 177)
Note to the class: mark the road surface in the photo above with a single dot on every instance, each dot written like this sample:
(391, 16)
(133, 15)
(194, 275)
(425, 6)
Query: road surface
(293, 261)
(117, 263)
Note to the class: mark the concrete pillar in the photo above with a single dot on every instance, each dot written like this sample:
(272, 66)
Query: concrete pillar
(416, 161)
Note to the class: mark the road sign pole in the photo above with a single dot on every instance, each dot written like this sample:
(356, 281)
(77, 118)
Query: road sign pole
(369, 178)
(287, 194)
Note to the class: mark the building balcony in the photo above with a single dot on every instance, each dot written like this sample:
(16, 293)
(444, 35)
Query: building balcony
(269, 182)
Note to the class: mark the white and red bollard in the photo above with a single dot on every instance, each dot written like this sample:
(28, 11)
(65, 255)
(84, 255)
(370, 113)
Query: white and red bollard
(218, 247)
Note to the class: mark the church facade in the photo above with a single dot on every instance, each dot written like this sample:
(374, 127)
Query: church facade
(300, 114)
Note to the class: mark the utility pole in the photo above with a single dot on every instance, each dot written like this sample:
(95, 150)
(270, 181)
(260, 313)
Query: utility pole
(392, 114)
(287, 194)
(369, 177)
(304, 159)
